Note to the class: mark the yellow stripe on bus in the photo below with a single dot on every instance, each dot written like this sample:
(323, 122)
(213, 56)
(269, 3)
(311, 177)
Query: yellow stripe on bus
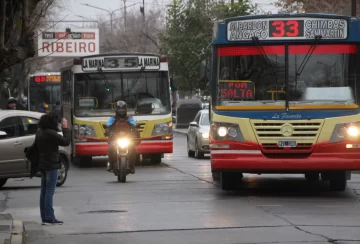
(340, 106)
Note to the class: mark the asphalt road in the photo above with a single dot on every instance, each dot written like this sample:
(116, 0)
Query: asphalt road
(177, 202)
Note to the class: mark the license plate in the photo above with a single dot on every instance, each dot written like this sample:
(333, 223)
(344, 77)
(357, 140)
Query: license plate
(287, 143)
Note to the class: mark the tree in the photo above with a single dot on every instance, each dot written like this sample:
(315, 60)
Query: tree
(342, 7)
(188, 35)
(18, 20)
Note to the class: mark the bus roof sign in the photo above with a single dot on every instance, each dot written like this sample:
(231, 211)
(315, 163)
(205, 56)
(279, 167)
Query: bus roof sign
(114, 63)
(287, 29)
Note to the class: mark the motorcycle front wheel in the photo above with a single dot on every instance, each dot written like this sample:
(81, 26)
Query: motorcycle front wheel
(122, 177)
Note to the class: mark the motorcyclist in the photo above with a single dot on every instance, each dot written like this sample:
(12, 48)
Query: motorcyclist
(112, 124)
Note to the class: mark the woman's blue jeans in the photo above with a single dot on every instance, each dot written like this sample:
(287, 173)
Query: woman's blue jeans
(48, 184)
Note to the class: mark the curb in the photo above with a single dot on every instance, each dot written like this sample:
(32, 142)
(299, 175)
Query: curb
(14, 230)
(17, 232)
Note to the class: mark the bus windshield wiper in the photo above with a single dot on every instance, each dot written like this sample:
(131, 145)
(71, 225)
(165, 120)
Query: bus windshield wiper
(267, 60)
(307, 56)
(107, 84)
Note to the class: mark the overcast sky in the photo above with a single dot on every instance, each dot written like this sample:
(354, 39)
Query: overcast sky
(74, 8)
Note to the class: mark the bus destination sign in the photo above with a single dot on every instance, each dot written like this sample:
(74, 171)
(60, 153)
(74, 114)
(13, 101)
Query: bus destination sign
(287, 29)
(111, 63)
(237, 89)
(47, 78)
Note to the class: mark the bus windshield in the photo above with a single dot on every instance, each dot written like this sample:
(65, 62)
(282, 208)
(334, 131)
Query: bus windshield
(250, 75)
(44, 96)
(144, 92)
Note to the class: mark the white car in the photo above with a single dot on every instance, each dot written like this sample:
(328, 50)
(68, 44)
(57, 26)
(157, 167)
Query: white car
(17, 131)
(198, 135)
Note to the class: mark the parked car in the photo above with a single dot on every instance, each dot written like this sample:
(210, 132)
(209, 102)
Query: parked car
(17, 131)
(198, 135)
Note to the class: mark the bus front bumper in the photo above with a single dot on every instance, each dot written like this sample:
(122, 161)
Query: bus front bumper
(255, 161)
(145, 147)
(155, 146)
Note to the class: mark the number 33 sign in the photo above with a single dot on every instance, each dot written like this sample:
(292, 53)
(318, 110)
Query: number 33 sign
(286, 28)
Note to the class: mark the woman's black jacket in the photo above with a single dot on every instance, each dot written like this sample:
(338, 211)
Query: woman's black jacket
(47, 142)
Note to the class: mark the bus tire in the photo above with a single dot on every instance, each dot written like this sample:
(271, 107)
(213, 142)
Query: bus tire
(229, 180)
(83, 160)
(313, 176)
(3, 182)
(215, 176)
(155, 158)
(338, 181)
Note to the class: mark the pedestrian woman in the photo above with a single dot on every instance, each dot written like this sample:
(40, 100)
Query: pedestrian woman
(47, 142)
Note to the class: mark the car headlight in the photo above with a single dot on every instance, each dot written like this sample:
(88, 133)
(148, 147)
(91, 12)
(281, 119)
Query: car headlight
(162, 128)
(123, 143)
(84, 130)
(346, 131)
(205, 135)
(226, 131)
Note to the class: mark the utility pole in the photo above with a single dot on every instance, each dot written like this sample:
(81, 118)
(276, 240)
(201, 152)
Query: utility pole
(353, 8)
(125, 14)
(142, 10)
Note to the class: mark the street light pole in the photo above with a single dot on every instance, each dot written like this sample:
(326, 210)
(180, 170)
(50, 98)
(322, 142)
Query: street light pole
(110, 13)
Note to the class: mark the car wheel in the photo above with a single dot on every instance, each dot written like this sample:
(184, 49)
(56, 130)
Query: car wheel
(198, 154)
(190, 152)
(3, 182)
(62, 173)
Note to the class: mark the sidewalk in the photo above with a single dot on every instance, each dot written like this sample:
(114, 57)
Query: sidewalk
(11, 231)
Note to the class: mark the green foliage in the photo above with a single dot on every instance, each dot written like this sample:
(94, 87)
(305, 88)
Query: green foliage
(188, 35)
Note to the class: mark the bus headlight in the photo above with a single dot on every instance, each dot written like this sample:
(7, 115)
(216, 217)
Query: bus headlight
(346, 131)
(123, 143)
(353, 131)
(222, 131)
(84, 130)
(162, 128)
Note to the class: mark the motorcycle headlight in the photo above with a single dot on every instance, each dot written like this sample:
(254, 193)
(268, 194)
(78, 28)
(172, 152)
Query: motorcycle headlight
(346, 131)
(226, 131)
(162, 128)
(123, 143)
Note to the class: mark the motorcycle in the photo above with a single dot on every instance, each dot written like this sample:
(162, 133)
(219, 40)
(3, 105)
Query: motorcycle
(123, 140)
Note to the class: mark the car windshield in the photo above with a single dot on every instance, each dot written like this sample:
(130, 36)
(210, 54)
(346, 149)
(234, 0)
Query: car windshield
(144, 93)
(205, 119)
(248, 77)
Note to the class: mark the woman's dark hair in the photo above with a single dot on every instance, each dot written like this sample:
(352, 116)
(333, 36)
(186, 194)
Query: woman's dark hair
(49, 121)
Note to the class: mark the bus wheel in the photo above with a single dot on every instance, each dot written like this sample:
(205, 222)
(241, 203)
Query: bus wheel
(229, 180)
(155, 158)
(2, 182)
(312, 176)
(338, 181)
(83, 160)
(215, 176)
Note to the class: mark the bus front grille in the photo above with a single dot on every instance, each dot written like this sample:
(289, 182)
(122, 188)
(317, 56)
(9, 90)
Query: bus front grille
(269, 133)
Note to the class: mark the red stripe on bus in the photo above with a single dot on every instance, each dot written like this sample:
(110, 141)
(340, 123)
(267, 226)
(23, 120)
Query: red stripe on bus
(293, 49)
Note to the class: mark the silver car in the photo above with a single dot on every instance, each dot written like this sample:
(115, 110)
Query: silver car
(17, 131)
(198, 135)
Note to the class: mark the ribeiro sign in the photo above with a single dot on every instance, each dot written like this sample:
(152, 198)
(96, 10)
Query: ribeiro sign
(79, 42)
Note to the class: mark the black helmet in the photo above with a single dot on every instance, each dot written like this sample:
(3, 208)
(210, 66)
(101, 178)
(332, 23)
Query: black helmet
(11, 100)
(120, 108)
